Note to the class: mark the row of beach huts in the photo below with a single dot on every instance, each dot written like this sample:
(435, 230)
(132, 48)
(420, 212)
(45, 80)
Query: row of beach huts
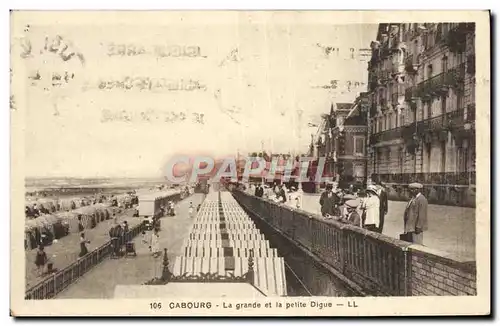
(56, 218)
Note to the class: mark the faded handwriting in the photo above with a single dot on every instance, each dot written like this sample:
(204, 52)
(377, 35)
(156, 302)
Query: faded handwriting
(57, 79)
(232, 56)
(352, 53)
(150, 116)
(57, 45)
(146, 83)
(349, 84)
(161, 51)
(26, 48)
(64, 48)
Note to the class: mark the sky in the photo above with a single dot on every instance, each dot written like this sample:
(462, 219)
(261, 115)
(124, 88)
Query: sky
(260, 87)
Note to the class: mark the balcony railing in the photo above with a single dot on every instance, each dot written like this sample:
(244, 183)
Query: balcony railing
(387, 135)
(439, 84)
(395, 98)
(432, 178)
(410, 94)
(449, 121)
(57, 282)
(471, 113)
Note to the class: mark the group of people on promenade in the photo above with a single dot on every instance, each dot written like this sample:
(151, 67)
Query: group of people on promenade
(367, 209)
(364, 208)
(282, 193)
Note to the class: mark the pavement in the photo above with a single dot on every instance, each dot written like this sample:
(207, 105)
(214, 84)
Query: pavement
(100, 282)
(452, 229)
(66, 250)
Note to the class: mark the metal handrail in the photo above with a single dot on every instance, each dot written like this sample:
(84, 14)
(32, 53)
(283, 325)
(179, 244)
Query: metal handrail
(57, 282)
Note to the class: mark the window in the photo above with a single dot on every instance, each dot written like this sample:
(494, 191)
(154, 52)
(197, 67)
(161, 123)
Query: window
(444, 64)
(443, 104)
(429, 71)
(359, 145)
(443, 157)
(460, 100)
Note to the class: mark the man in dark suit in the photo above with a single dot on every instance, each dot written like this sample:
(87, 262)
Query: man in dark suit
(281, 193)
(259, 191)
(329, 202)
(415, 216)
(384, 203)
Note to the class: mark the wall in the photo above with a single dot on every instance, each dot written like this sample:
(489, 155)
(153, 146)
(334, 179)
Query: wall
(434, 274)
(377, 264)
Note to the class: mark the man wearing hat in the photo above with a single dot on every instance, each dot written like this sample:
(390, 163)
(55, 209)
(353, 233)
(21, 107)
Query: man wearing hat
(329, 202)
(345, 199)
(352, 216)
(415, 216)
(384, 203)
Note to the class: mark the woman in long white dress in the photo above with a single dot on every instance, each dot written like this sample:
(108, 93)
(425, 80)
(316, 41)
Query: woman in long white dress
(371, 206)
(155, 243)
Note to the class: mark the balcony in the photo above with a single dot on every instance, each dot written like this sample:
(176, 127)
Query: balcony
(455, 37)
(382, 103)
(394, 45)
(471, 113)
(450, 121)
(411, 94)
(385, 51)
(384, 75)
(432, 178)
(440, 84)
(388, 135)
(411, 64)
(397, 98)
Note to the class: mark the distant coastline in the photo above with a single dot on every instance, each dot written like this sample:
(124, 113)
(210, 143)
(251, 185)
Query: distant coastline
(39, 183)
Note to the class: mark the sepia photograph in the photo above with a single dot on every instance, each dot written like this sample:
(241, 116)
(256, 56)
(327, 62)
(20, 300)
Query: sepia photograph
(250, 163)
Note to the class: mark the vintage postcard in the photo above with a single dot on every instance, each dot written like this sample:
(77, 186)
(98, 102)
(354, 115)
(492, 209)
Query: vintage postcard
(250, 163)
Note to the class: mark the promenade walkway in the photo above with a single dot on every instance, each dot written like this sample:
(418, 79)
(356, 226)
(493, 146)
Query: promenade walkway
(100, 282)
(452, 229)
(66, 250)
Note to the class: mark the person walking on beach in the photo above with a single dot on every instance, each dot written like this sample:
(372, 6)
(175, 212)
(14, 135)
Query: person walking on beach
(191, 210)
(83, 245)
(40, 259)
(155, 243)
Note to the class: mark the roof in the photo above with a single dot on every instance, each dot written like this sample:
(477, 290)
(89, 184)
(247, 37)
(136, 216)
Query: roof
(343, 106)
(188, 290)
(159, 194)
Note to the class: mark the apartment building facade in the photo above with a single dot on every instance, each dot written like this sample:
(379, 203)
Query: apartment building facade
(342, 141)
(422, 114)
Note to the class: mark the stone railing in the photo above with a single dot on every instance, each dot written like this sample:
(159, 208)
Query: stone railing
(378, 264)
